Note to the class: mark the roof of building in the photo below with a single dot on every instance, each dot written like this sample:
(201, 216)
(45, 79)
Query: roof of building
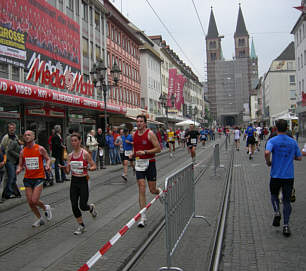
(253, 53)
(240, 27)
(288, 53)
(212, 28)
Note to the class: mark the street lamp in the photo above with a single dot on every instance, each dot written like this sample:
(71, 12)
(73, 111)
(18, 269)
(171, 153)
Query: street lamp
(164, 102)
(98, 74)
(195, 112)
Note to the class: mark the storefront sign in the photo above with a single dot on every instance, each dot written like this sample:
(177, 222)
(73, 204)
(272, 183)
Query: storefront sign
(36, 112)
(48, 74)
(9, 115)
(16, 89)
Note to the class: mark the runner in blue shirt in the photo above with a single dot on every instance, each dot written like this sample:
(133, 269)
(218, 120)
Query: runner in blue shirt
(127, 141)
(203, 136)
(250, 132)
(284, 150)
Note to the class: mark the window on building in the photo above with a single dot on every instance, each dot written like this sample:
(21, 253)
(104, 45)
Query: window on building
(213, 56)
(77, 8)
(85, 47)
(290, 65)
(113, 60)
(241, 42)
(301, 61)
(300, 34)
(85, 11)
(15, 73)
(70, 4)
(212, 45)
(3, 70)
(108, 60)
(90, 15)
(242, 53)
(292, 80)
(98, 52)
(119, 38)
(298, 63)
(107, 29)
(303, 86)
(97, 21)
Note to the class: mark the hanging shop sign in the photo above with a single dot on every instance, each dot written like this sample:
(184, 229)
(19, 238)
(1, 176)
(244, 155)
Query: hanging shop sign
(46, 112)
(16, 89)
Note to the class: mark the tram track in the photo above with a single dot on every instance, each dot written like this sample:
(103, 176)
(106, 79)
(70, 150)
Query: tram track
(49, 227)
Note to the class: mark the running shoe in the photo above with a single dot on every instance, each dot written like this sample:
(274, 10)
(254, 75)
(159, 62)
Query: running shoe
(142, 221)
(124, 178)
(38, 223)
(80, 229)
(286, 231)
(276, 220)
(48, 213)
(93, 211)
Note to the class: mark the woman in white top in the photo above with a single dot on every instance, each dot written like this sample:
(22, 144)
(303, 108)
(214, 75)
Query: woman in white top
(237, 138)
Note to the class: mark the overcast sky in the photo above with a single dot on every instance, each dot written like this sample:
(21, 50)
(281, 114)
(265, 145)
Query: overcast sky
(269, 22)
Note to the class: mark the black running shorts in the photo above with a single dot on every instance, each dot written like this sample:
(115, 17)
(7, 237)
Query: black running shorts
(150, 173)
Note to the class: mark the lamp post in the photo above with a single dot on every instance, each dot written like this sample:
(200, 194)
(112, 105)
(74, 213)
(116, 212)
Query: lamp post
(164, 103)
(195, 112)
(98, 73)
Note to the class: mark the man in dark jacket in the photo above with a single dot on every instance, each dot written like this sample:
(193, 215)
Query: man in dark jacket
(11, 146)
(57, 153)
(101, 141)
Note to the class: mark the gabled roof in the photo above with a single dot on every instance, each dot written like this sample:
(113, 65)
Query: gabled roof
(240, 27)
(288, 53)
(212, 28)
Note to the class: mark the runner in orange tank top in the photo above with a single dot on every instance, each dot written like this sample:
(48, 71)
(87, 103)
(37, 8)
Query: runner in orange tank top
(31, 157)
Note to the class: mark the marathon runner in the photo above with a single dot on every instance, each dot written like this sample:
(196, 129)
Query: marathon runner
(237, 138)
(32, 157)
(145, 147)
(77, 163)
(127, 142)
(192, 137)
(250, 132)
(171, 141)
(203, 136)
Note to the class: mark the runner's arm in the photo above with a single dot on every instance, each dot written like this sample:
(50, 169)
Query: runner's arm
(20, 164)
(268, 158)
(67, 166)
(45, 156)
(90, 162)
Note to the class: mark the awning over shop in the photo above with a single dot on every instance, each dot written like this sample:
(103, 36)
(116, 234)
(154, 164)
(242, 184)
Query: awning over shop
(37, 93)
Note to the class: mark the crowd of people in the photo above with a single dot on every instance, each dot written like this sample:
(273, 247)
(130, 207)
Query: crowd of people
(136, 148)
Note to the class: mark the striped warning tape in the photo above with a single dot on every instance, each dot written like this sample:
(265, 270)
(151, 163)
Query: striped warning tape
(118, 235)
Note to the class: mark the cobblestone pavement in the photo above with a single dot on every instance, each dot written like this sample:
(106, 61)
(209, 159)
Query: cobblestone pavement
(251, 242)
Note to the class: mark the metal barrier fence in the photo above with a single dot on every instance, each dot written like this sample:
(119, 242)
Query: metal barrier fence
(179, 208)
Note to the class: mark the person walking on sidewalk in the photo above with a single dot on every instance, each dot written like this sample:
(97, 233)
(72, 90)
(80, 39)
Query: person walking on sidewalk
(145, 147)
(32, 158)
(192, 137)
(284, 151)
(11, 146)
(77, 163)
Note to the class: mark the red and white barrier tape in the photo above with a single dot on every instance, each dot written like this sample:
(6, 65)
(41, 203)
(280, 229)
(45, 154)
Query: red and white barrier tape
(117, 236)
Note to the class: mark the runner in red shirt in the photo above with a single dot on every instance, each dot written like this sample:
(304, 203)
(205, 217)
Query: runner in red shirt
(145, 147)
(31, 157)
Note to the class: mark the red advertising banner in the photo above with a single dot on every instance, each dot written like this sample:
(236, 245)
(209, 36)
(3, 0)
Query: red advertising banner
(179, 96)
(171, 86)
(48, 31)
(16, 89)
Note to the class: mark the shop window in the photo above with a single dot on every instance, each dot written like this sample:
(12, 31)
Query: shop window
(97, 21)
(85, 47)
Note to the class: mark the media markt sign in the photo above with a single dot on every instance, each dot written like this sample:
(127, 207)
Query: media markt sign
(48, 74)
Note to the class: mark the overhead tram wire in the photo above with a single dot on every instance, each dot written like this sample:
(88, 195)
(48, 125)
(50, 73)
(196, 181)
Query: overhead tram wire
(196, 10)
(167, 29)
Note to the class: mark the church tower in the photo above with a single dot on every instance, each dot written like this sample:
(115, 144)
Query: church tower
(213, 41)
(241, 36)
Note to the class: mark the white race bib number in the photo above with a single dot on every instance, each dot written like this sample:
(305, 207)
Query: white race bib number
(142, 164)
(77, 167)
(193, 141)
(32, 163)
(171, 138)
(128, 153)
(101, 152)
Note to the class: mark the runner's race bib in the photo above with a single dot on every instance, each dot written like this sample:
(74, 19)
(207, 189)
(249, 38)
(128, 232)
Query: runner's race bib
(128, 153)
(142, 164)
(193, 141)
(32, 163)
(77, 167)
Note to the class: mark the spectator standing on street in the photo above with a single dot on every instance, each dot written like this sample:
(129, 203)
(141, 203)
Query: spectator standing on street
(117, 147)
(77, 163)
(12, 149)
(92, 144)
(101, 146)
(50, 141)
(284, 151)
(111, 146)
(32, 157)
(2, 167)
(68, 140)
(58, 152)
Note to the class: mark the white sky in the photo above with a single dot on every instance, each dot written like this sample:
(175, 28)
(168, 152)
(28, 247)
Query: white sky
(269, 22)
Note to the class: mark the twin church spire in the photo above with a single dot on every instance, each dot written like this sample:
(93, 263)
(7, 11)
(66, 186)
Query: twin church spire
(241, 37)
